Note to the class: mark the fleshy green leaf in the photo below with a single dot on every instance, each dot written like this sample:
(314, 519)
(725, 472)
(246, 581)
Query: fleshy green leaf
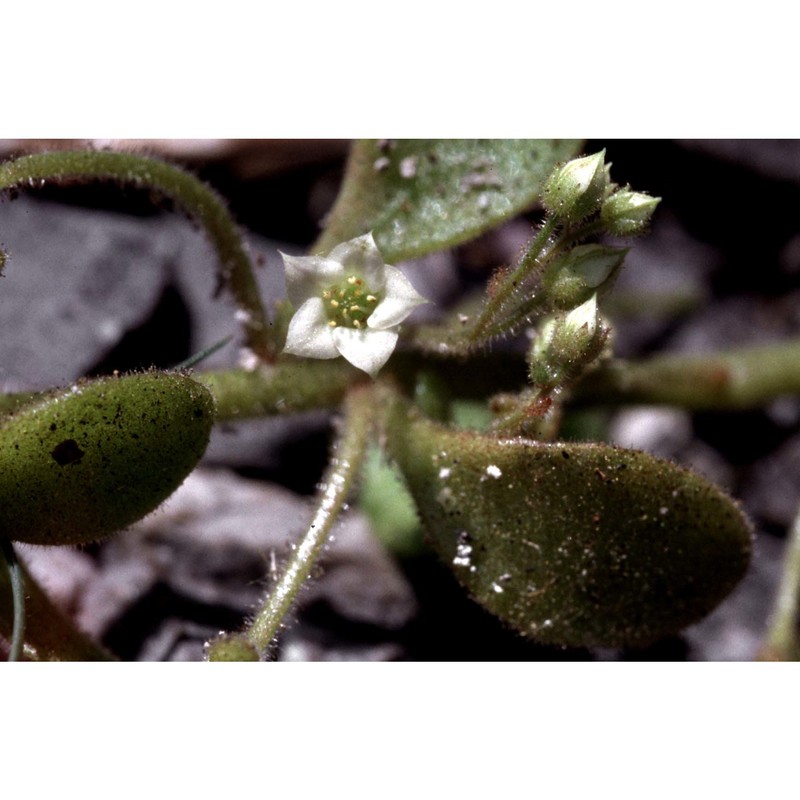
(385, 500)
(88, 461)
(422, 195)
(573, 544)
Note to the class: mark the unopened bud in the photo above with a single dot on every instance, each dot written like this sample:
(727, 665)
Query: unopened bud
(582, 321)
(628, 213)
(574, 278)
(576, 189)
(566, 345)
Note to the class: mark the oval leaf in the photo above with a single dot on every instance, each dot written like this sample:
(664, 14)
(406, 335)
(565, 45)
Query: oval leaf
(89, 461)
(573, 544)
(422, 195)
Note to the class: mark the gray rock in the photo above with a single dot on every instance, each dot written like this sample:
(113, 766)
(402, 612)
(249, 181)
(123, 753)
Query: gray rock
(772, 490)
(74, 283)
(215, 543)
(736, 629)
(738, 321)
(665, 275)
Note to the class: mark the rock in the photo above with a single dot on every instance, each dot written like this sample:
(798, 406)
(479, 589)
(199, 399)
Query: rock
(165, 585)
(74, 283)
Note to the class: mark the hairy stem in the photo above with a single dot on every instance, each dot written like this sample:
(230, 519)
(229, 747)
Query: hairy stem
(501, 313)
(282, 388)
(532, 260)
(781, 642)
(733, 379)
(345, 463)
(191, 194)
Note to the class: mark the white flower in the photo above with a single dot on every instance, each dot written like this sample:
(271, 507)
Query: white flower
(348, 303)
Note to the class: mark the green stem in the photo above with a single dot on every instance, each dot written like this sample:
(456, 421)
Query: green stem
(49, 635)
(18, 598)
(781, 642)
(734, 379)
(533, 260)
(501, 313)
(347, 456)
(191, 194)
(286, 387)
(531, 414)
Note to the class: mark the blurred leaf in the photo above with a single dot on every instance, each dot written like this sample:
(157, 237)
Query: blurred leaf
(422, 195)
(573, 544)
(385, 500)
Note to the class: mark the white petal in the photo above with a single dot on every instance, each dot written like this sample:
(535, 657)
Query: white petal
(362, 257)
(309, 334)
(400, 299)
(365, 349)
(585, 314)
(308, 276)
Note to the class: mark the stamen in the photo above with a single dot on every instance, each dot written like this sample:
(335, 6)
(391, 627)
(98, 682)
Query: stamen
(350, 303)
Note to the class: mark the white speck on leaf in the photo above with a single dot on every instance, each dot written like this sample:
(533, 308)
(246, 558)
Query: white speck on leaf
(408, 167)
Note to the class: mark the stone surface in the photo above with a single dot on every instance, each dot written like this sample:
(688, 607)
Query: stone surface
(74, 283)
(213, 546)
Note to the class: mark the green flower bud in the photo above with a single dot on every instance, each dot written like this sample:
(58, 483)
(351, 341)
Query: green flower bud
(573, 279)
(628, 213)
(81, 464)
(576, 189)
(566, 345)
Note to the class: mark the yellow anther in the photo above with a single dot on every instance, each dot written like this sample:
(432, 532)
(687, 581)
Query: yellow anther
(356, 323)
(335, 303)
(332, 323)
(371, 298)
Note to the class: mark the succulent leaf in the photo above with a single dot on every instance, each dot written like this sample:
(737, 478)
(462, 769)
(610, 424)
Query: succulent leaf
(572, 544)
(96, 458)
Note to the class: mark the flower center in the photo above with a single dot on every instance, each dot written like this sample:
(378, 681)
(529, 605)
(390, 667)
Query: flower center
(349, 303)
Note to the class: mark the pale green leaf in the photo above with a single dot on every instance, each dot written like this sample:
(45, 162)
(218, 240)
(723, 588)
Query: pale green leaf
(422, 195)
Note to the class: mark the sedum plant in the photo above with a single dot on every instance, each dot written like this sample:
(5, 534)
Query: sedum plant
(575, 544)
